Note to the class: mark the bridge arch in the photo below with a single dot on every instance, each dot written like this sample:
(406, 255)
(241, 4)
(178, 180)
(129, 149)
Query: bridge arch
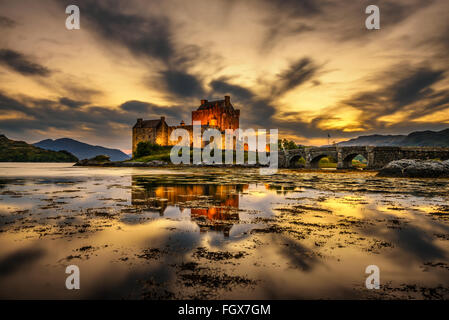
(347, 159)
(315, 159)
(297, 161)
(292, 157)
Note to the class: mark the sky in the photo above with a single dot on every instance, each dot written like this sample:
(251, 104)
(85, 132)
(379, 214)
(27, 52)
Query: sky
(308, 68)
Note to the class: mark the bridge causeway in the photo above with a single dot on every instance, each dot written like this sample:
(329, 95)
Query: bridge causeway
(377, 157)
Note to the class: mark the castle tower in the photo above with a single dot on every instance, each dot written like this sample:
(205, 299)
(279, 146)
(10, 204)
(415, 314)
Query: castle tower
(218, 113)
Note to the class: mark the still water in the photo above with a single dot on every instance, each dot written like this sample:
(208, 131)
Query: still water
(210, 233)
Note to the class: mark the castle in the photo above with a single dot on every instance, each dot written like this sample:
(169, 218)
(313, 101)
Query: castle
(218, 114)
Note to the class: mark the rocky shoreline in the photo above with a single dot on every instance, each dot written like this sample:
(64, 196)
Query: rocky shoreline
(94, 163)
(407, 168)
(153, 164)
(416, 169)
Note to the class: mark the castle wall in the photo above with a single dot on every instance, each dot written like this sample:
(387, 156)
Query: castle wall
(143, 134)
(162, 137)
(226, 118)
(155, 135)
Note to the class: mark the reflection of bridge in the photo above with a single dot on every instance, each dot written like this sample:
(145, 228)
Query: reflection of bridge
(376, 157)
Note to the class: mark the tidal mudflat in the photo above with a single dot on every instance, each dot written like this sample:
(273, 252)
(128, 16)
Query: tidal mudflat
(210, 233)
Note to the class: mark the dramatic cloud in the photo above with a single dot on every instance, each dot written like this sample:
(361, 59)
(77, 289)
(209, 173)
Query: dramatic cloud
(173, 113)
(297, 8)
(181, 83)
(409, 91)
(148, 37)
(297, 73)
(48, 115)
(257, 112)
(144, 36)
(21, 64)
(415, 86)
(307, 67)
(72, 103)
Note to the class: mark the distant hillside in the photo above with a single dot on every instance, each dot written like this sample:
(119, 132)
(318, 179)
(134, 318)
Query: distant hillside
(19, 151)
(414, 139)
(80, 149)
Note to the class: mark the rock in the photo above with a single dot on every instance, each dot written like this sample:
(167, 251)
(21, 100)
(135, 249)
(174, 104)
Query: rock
(416, 169)
(126, 164)
(158, 163)
(95, 161)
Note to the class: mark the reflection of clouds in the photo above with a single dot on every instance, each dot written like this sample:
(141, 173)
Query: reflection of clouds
(416, 242)
(412, 239)
(297, 254)
(22, 258)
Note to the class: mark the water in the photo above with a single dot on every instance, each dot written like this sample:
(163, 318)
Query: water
(220, 233)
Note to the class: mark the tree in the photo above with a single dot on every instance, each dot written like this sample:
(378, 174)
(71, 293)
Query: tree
(285, 144)
(145, 149)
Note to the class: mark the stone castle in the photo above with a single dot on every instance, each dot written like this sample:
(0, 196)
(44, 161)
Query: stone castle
(218, 114)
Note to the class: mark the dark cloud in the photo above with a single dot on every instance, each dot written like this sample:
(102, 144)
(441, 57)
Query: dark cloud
(148, 110)
(148, 37)
(20, 259)
(100, 121)
(299, 72)
(222, 86)
(415, 87)
(136, 106)
(143, 36)
(409, 90)
(181, 83)
(297, 8)
(6, 22)
(22, 64)
(72, 103)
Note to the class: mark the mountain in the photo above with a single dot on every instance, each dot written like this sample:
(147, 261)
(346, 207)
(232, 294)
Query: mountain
(415, 139)
(19, 151)
(80, 149)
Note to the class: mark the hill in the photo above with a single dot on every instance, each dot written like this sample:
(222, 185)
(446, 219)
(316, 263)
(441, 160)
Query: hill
(80, 149)
(19, 151)
(415, 139)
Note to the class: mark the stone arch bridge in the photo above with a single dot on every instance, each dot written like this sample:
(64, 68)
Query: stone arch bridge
(377, 157)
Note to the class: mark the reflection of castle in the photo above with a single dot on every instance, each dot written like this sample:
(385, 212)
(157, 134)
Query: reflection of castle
(212, 207)
(219, 114)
